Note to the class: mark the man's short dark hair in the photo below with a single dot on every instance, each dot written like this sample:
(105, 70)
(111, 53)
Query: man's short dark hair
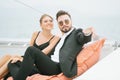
(62, 12)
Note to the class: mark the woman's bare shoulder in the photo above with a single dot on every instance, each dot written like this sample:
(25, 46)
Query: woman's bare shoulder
(35, 32)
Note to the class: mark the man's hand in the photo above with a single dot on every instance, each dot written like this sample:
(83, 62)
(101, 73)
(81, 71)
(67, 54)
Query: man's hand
(88, 31)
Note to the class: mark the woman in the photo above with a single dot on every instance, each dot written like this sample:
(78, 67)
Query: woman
(43, 40)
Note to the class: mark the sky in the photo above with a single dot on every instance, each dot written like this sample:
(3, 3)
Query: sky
(19, 15)
(88, 7)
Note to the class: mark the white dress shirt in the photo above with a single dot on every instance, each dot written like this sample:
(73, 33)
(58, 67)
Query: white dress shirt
(55, 56)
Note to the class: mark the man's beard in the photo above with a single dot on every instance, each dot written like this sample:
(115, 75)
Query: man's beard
(65, 30)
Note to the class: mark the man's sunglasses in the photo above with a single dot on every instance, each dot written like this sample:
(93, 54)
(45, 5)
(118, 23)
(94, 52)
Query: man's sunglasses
(66, 21)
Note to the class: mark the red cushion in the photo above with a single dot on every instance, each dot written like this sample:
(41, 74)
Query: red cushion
(89, 56)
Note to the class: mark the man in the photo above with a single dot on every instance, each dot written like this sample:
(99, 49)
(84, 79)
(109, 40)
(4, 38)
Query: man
(70, 44)
(64, 57)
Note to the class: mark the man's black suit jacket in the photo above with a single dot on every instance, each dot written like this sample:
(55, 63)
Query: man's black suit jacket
(72, 46)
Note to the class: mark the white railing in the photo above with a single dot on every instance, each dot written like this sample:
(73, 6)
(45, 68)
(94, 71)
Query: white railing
(14, 42)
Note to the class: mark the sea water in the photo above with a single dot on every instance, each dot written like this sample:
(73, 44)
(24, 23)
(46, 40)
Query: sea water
(107, 27)
(22, 29)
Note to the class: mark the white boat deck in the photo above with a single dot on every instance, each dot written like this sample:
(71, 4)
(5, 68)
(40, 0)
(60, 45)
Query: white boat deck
(105, 69)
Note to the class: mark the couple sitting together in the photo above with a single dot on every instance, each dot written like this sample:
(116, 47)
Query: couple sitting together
(50, 54)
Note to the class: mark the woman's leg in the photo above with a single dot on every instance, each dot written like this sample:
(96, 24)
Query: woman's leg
(4, 59)
(3, 65)
(14, 68)
(44, 64)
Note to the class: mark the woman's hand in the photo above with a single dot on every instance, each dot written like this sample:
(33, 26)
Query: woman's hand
(16, 58)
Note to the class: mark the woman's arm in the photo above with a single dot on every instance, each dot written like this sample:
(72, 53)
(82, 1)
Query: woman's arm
(34, 35)
(52, 44)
